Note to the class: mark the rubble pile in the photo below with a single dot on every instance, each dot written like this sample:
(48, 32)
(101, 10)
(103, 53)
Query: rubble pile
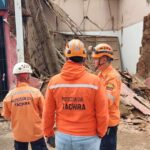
(44, 51)
(135, 101)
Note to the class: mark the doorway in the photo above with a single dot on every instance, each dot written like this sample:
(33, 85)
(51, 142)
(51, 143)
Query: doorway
(3, 65)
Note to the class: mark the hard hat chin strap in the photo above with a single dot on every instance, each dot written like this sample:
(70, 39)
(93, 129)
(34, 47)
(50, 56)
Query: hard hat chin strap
(99, 65)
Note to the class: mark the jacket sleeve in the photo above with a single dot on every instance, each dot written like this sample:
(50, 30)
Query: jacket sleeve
(113, 86)
(41, 103)
(49, 113)
(6, 111)
(101, 108)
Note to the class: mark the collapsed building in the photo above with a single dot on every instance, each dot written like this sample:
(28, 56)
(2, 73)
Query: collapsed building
(44, 42)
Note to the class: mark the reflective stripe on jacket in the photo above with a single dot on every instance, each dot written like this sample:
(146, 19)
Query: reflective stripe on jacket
(112, 83)
(23, 106)
(78, 98)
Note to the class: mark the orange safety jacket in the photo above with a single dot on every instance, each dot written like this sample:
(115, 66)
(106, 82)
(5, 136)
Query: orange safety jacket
(23, 106)
(112, 82)
(78, 98)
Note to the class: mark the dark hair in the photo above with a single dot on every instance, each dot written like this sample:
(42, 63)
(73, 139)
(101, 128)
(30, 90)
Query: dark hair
(109, 59)
(77, 59)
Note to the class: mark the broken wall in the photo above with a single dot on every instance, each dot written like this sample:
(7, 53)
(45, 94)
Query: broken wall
(39, 23)
(44, 45)
(39, 40)
(143, 66)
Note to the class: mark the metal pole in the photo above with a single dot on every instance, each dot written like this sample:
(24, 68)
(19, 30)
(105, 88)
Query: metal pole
(19, 31)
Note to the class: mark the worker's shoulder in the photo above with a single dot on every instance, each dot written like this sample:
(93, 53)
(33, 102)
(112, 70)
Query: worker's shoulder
(10, 93)
(33, 89)
(113, 73)
(27, 89)
(55, 78)
(90, 76)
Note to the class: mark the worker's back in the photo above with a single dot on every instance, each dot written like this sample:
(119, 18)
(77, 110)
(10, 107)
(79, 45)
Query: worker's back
(78, 100)
(25, 104)
(79, 97)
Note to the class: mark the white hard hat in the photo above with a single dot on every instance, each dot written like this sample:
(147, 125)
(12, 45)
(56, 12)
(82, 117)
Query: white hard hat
(22, 67)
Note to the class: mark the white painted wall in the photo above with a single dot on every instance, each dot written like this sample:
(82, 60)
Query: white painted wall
(128, 14)
(130, 46)
(132, 11)
(97, 11)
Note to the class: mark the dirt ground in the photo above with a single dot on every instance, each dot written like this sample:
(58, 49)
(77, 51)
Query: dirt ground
(129, 137)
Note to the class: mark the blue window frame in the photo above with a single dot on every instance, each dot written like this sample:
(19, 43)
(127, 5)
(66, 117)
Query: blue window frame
(3, 4)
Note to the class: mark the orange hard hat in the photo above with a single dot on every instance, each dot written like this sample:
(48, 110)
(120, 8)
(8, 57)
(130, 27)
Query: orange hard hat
(75, 48)
(102, 50)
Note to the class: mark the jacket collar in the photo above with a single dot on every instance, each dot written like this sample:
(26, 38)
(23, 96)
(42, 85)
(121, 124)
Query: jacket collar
(72, 70)
(21, 84)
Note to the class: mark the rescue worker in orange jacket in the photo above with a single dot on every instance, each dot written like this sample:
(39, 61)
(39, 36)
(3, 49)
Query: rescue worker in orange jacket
(23, 106)
(103, 56)
(77, 101)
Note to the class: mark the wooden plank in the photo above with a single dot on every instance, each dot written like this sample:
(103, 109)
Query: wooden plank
(128, 97)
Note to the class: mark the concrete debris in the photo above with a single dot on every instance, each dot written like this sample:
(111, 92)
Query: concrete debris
(130, 98)
(135, 101)
(147, 82)
(125, 110)
(137, 84)
(137, 121)
(126, 78)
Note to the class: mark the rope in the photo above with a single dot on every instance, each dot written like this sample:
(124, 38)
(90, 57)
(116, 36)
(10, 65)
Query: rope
(88, 7)
(112, 17)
